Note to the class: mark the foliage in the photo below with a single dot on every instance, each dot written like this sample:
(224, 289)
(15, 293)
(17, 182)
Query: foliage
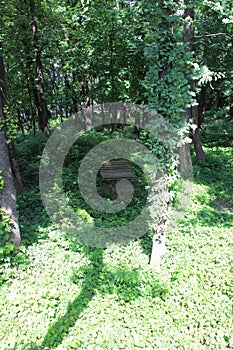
(6, 246)
(218, 131)
(167, 162)
(9, 125)
(28, 153)
(213, 46)
(63, 295)
(166, 81)
(71, 296)
(119, 50)
(105, 188)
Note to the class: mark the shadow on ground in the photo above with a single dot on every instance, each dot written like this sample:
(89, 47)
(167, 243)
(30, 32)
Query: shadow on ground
(95, 278)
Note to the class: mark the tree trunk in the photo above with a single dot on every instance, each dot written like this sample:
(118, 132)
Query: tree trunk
(111, 64)
(8, 193)
(43, 111)
(137, 125)
(202, 107)
(193, 111)
(2, 86)
(15, 169)
(3, 103)
(196, 135)
(185, 162)
(158, 245)
(231, 113)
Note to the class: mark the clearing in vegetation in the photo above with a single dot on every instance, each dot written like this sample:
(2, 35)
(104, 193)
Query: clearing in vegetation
(60, 295)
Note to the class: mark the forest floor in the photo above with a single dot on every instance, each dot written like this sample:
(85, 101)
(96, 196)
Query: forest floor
(60, 295)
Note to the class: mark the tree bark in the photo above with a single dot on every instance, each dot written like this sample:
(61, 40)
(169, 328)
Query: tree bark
(158, 245)
(42, 108)
(193, 111)
(196, 135)
(185, 162)
(2, 87)
(3, 103)
(202, 107)
(231, 114)
(8, 193)
(15, 169)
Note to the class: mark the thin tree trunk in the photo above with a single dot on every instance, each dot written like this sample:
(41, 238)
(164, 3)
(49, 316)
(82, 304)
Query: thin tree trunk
(193, 111)
(111, 63)
(231, 113)
(31, 85)
(103, 115)
(2, 87)
(202, 107)
(43, 111)
(87, 118)
(137, 125)
(196, 135)
(15, 169)
(124, 114)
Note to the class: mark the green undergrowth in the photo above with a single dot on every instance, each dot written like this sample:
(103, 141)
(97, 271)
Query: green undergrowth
(67, 296)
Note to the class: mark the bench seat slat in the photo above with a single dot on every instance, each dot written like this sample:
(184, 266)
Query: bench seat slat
(115, 170)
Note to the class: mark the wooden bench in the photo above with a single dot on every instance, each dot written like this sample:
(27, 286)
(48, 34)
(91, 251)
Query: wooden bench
(116, 170)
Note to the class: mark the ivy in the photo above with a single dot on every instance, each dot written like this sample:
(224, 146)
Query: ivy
(6, 246)
(166, 83)
(9, 125)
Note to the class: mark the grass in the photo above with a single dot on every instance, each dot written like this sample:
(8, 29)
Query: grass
(61, 295)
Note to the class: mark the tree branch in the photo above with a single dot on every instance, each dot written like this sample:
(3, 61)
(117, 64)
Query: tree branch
(209, 35)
